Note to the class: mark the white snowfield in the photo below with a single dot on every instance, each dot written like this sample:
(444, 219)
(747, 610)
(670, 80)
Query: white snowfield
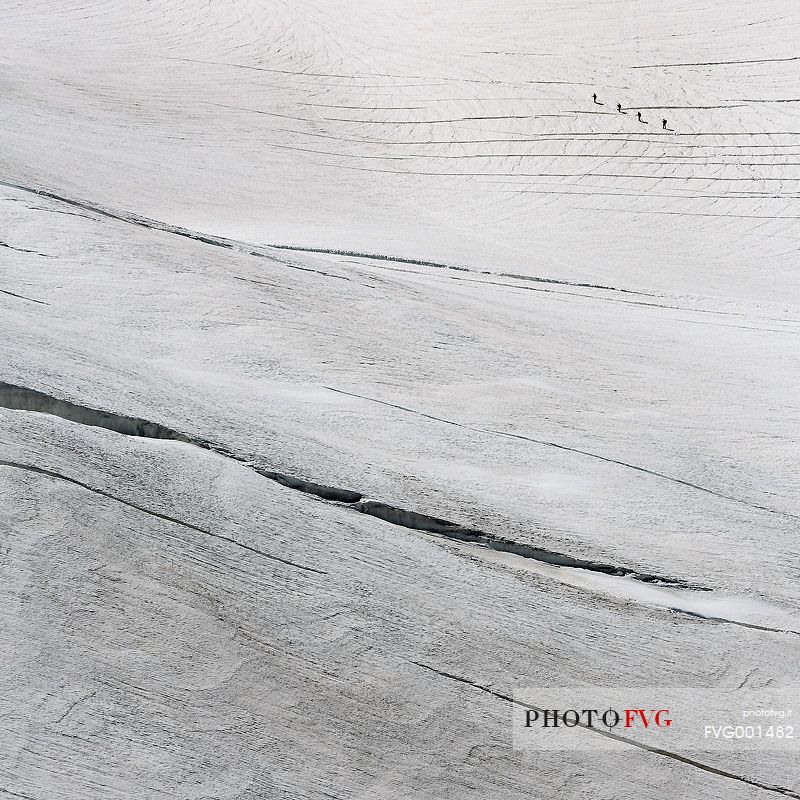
(265, 265)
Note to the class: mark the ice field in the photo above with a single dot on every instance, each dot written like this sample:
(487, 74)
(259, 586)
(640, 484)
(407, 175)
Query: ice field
(358, 369)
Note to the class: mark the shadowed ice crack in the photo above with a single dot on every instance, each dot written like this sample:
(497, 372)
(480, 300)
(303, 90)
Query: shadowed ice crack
(452, 530)
(23, 250)
(20, 398)
(22, 297)
(613, 580)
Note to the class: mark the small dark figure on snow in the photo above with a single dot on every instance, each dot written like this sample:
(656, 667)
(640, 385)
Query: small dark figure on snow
(663, 124)
(594, 97)
(639, 116)
(619, 107)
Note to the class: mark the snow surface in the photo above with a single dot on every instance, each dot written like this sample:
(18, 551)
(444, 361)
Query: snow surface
(581, 335)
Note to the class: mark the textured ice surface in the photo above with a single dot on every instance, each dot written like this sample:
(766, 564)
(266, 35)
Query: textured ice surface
(391, 249)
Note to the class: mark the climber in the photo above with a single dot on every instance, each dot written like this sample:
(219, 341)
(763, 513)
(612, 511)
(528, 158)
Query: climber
(663, 124)
(639, 117)
(594, 97)
(619, 107)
